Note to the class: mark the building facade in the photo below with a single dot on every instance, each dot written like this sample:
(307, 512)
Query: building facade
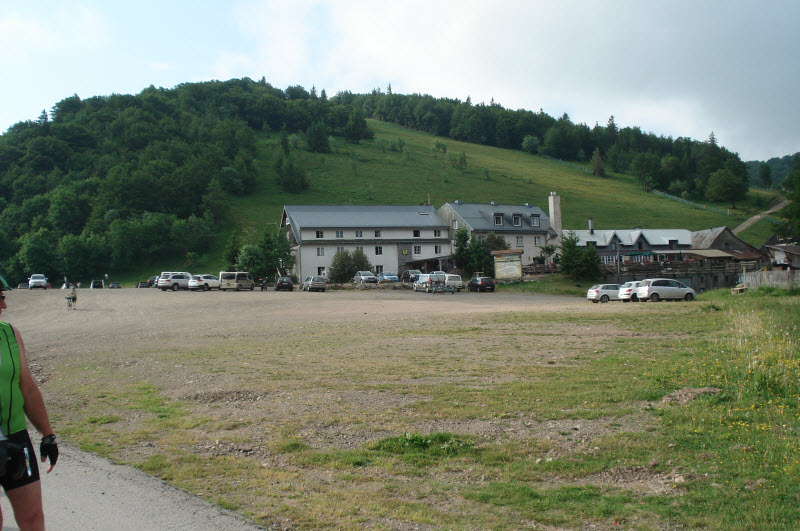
(524, 227)
(391, 236)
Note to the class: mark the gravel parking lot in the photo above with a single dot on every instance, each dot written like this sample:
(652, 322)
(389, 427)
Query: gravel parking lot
(111, 324)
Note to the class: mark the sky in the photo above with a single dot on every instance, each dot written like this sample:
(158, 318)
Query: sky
(679, 68)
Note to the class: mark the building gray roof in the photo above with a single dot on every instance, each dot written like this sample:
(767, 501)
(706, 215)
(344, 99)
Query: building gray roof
(360, 217)
(655, 237)
(480, 216)
(703, 239)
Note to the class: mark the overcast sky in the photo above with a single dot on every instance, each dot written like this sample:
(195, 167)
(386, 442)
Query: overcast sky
(677, 68)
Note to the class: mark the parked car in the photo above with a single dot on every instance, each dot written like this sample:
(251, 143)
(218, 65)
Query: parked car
(656, 289)
(115, 285)
(203, 282)
(453, 282)
(627, 291)
(313, 284)
(236, 280)
(422, 282)
(37, 280)
(363, 277)
(152, 281)
(22, 285)
(174, 280)
(385, 276)
(603, 293)
(481, 284)
(284, 283)
(410, 275)
(143, 284)
(97, 284)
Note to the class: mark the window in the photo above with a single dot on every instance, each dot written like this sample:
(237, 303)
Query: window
(378, 269)
(498, 219)
(320, 251)
(437, 233)
(340, 234)
(359, 234)
(377, 234)
(437, 249)
(416, 233)
(321, 271)
(517, 220)
(639, 246)
(534, 220)
(455, 224)
(417, 249)
(519, 241)
(358, 248)
(340, 249)
(537, 241)
(378, 249)
(320, 234)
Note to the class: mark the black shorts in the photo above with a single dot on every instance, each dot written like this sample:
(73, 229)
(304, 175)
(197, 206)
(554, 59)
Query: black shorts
(32, 467)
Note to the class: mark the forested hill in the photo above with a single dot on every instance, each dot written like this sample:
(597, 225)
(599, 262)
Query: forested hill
(112, 182)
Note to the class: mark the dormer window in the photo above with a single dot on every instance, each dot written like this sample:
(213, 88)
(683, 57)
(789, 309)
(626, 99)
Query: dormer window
(517, 220)
(498, 220)
(534, 221)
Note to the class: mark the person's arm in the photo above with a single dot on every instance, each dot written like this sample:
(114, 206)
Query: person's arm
(35, 409)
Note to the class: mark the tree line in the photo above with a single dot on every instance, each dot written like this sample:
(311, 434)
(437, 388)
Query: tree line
(112, 182)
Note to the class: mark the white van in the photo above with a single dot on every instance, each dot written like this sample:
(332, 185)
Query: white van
(453, 282)
(237, 280)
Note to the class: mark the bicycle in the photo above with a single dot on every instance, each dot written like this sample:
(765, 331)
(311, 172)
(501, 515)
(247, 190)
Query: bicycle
(69, 303)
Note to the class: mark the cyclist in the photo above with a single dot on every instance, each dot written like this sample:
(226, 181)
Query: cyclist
(20, 398)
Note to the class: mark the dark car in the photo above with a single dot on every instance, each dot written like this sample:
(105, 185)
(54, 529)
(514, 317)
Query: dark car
(115, 285)
(284, 283)
(22, 285)
(144, 284)
(481, 284)
(152, 281)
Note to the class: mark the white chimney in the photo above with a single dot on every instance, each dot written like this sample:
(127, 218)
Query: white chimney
(554, 202)
(591, 226)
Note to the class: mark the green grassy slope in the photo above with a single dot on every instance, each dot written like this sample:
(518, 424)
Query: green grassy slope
(372, 173)
(365, 174)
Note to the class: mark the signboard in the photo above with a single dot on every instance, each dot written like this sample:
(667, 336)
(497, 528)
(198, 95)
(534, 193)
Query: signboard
(508, 267)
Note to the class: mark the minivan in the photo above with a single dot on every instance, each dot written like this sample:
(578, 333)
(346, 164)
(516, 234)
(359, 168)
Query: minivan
(236, 280)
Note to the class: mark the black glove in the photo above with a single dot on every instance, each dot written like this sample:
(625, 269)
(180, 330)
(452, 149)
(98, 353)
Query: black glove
(49, 448)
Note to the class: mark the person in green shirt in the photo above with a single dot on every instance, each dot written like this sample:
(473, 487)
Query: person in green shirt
(20, 398)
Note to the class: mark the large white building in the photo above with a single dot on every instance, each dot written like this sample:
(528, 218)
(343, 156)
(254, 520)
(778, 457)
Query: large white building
(394, 238)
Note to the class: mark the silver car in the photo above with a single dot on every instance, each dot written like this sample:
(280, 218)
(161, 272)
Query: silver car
(313, 284)
(656, 289)
(365, 277)
(603, 293)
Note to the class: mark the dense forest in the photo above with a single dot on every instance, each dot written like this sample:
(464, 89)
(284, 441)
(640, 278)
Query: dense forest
(115, 181)
(772, 173)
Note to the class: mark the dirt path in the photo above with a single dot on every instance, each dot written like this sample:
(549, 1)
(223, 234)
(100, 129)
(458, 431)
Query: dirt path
(751, 221)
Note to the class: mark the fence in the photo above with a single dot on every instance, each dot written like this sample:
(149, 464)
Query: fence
(784, 279)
